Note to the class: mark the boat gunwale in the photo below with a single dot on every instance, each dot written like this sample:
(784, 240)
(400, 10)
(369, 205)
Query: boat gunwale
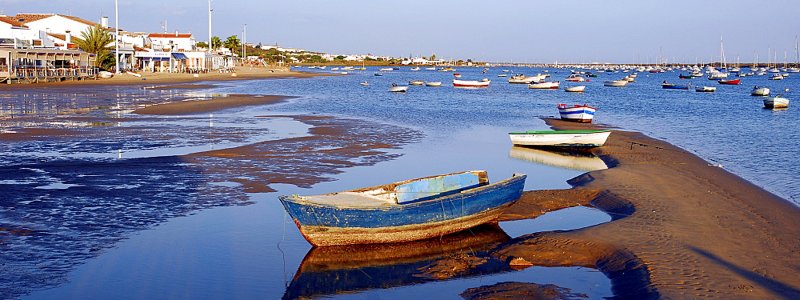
(583, 131)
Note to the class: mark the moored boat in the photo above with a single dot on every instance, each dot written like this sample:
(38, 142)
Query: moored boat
(403, 211)
(416, 82)
(415, 69)
(776, 102)
(433, 83)
(364, 83)
(671, 86)
(547, 85)
(705, 89)
(776, 77)
(472, 83)
(576, 78)
(398, 88)
(759, 91)
(575, 89)
(560, 138)
(615, 83)
(730, 81)
(578, 113)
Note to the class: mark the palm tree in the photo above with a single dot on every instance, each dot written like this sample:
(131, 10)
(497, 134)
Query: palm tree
(95, 40)
(233, 43)
(215, 42)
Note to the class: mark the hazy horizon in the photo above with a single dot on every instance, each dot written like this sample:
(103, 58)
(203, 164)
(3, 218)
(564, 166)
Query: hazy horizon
(580, 31)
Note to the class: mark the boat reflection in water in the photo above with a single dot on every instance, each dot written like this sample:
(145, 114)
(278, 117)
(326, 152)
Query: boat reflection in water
(575, 160)
(351, 268)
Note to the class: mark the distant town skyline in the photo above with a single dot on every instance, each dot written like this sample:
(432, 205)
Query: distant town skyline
(579, 31)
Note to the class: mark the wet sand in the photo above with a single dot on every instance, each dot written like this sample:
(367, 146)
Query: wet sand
(196, 106)
(682, 228)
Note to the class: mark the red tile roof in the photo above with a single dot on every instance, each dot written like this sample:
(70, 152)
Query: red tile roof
(170, 35)
(11, 21)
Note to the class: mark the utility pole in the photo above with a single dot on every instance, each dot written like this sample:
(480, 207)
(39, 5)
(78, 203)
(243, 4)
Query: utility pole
(209, 26)
(116, 37)
(244, 41)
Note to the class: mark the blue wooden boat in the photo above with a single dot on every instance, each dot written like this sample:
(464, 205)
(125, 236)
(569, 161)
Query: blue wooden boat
(672, 86)
(403, 211)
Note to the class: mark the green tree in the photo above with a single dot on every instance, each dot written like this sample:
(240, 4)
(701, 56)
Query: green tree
(433, 57)
(202, 45)
(233, 43)
(96, 40)
(216, 42)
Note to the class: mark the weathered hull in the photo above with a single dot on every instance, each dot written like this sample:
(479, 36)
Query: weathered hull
(583, 114)
(324, 225)
(776, 103)
(560, 140)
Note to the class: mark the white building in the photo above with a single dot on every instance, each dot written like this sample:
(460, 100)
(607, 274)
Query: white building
(56, 23)
(15, 34)
(172, 41)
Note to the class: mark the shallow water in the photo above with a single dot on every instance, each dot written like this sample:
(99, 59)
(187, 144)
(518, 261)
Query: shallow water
(165, 242)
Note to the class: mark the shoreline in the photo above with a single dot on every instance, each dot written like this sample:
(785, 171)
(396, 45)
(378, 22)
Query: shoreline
(123, 79)
(686, 228)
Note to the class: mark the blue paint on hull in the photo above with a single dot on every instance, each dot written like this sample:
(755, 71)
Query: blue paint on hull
(439, 209)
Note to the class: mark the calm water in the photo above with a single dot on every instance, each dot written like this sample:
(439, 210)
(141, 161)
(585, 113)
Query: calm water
(167, 242)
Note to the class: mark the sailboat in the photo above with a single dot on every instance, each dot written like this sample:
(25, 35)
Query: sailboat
(796, 68)
(719, 74)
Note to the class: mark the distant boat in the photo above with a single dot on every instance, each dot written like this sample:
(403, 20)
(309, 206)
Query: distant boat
(690, 76)
(576, 78)
(398, 88)
(105, 74)
(705, 89)
(575, 89)
(577, 113)
(431, 69)
(730, 81)
(776, 77)
(385, 69)
(415, 69)
(433, 83)
(522, 79)
(615, 83)
(364, 83)
(671, 86)
(472, 83)
(378, 74)
(547, 85)
(776, 102)
(335, 69)
(759, 91)
(456, 75)
(502, 75)
(403, 211)
(416, 82)
(560, 138)
(717, 75)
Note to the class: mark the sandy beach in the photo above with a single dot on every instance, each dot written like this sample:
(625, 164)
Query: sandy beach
(682, 228)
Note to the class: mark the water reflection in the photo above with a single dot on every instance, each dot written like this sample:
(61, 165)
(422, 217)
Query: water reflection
(575, 160)
(347, 269)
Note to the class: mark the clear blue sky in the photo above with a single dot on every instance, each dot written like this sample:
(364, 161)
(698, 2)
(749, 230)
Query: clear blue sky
(518, 31)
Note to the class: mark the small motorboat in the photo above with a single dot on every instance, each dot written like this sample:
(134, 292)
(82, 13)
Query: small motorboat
(705, 89)
(378, 74)
(105, 74)
(560, 138)
(576, 78)
(398, 88)
(681, 76)
(471, 83)
(522, 79)
(730, 81)
(456, 75)
(717, 75)
(416, 82)
(575, 89)
(502, 75)
(776, 77)
(403, 211)
(433, 83)
(759, 91)
(431, 69)
(777, 102)
(577, 113)
(547, 85)
(364, 83)
(385, 69)
(415, 69)
(615, 83)
(671, 86)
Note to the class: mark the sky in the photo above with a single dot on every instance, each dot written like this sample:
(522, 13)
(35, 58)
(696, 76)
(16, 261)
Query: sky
(579, 31)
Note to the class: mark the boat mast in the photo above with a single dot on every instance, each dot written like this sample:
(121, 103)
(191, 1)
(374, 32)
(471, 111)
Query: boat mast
(722, 54)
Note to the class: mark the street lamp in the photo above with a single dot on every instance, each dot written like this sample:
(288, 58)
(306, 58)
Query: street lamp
(116, 37)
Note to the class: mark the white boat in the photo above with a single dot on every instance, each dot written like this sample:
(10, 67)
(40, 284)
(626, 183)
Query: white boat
(433, 83)
(364, 83)
(705, 89)
(502, 75)
(759, 91)
(776, 77)
(398, 88)
(776, 102)
(416, 82)
(575, 89)
(334, 69)
(415, 69)
(574, 160)
(575, 78)
(472, 83)
(560, 138)
(578, 113)
(629, 79)
(385, 69)
(522, 79)
(547, 85)
(431, 69)
(717, 75)
(105, 74)
(615, 83)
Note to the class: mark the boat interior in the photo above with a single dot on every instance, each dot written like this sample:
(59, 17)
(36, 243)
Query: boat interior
(402, 192)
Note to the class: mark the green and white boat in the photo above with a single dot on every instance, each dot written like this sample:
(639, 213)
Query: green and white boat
(560, 138)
